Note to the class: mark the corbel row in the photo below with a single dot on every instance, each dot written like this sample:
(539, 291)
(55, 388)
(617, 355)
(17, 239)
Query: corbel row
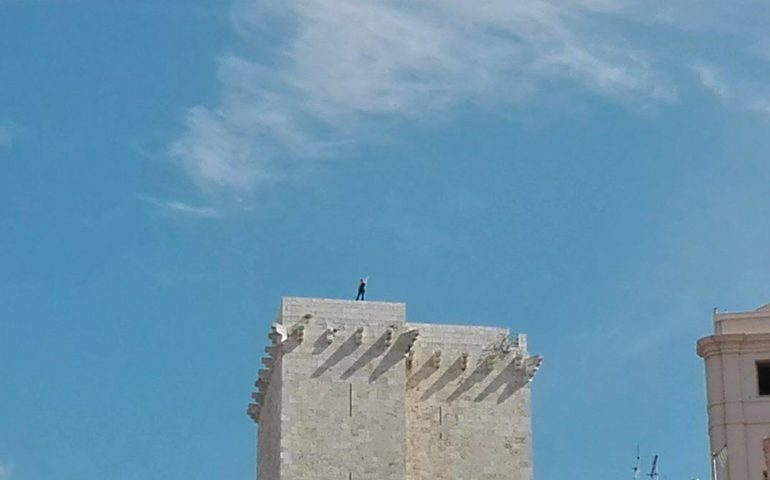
(408, 338)
(527, 364)
(279, 335)
(517, 345)
(532, 365)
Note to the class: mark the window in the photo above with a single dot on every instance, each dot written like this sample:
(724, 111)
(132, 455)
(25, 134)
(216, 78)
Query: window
(763, 377)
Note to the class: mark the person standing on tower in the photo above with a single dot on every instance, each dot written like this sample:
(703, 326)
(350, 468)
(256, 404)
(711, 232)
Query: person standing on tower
(361, 288)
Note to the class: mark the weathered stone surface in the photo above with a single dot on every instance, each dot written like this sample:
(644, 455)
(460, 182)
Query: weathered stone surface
(383, 399)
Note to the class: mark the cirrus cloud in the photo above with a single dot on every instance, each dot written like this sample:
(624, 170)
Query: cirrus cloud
(335, 68)
(6, 470)
(179, 208)
(6, 138)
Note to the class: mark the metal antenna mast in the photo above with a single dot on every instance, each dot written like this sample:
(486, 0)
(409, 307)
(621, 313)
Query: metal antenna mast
(637, 466)
(654, 470)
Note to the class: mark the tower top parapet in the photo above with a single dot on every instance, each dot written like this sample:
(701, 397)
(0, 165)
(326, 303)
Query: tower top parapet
(756, 321)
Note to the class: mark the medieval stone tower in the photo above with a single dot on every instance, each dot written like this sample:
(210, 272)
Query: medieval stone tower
(351, 391)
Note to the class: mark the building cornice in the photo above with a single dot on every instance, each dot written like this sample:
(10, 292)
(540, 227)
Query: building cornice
(733, 343)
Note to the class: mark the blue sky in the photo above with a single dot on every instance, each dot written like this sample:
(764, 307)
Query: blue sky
(594, 173)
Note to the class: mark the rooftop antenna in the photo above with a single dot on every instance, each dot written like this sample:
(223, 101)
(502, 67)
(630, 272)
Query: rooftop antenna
(637, 466)
(654, 470)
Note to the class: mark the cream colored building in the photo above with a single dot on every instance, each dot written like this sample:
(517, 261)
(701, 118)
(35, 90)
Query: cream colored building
(737, 360)
(352, 391)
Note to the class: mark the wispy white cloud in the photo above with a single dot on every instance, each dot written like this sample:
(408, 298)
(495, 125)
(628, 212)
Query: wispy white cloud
(711, 79)
(6, 470)
(335, 68)
(737, 88)
(761, 105)
(345, 64)
(6, 138)
(176, 207)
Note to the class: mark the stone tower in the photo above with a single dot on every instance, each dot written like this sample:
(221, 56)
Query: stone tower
(351, 391)
(737, 360)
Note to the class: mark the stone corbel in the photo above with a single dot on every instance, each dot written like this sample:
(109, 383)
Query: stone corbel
(329, 335)
(262, 383)
(532, 365)
(253, 411)
(410, 337)
(298, 332)
(389, 336)
(435, 359)
(518, 361)
(278, 333)
(409, 359)
(464, 361)
(273, 350)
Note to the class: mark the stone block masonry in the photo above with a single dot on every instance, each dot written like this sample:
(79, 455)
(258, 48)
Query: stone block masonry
(352, 391)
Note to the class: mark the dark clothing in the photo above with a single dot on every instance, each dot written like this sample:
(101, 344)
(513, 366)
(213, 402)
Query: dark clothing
(361, 291)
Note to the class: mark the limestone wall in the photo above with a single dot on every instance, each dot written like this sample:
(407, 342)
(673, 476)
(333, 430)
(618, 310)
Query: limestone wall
(269, 441)
(468, 412)
(352, 391)
(343, 398)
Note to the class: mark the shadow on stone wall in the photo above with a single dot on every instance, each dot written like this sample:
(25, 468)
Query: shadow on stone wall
(507, 377)
(426, 370)
(517, 383)
(377, 349)
(394, 355)
(290, 344)
(321, 344)
(345, 349)
(483, 369)
(449, 376)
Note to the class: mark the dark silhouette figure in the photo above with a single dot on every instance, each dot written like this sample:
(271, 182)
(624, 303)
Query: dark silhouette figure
(361, 289)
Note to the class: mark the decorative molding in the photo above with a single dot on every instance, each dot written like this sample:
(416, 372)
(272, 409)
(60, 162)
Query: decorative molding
(729, 343)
